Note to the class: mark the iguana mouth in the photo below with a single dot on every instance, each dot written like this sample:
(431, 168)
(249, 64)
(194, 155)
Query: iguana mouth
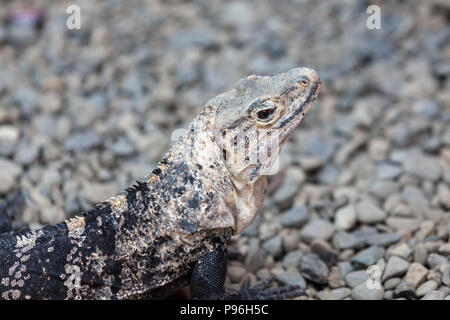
(298, 112)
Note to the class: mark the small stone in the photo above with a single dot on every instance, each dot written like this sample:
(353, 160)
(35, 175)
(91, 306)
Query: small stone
(392, 283)
(345, 218)
(388, 171)
(426, 228)
(325, 251)
(325, 295)
(383, 239)
(405, 290)
(9, 173)
(395, 267)
(335, 280)
(98, 192)
(407, 224)
(255, 257)
(446, 276)
(434, 295)
(435, 260)
(363, 292)
(291, 278)
(416, 274)
(341, 293)
(388, 295)
(426, 287)
(344, 268)
(435, 275)
(402, 250)
(444, 195)
(295, 217)
(26, 154)
(292, 259)
(367, 257)
(236, 273)
(367, 212)
(416, 200)
(273, 246)
(310, 163)
(317, 229)
(420, 254)
(444, 249)
(343, 240)
(423, 166)
(82, 141)
(364, 232)
(314, 269)
(284, 195)
(290, 241)
(355, 278)
(383, 189)
(9, 134)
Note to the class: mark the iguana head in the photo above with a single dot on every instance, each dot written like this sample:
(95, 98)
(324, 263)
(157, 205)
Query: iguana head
(237, 139)
(256, 118)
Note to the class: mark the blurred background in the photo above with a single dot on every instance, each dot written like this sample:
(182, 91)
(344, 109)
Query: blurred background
(364, 180)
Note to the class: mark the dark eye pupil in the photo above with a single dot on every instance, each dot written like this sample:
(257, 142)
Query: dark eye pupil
(264, 114)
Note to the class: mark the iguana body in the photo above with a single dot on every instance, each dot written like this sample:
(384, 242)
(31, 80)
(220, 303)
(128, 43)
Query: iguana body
(171, 230)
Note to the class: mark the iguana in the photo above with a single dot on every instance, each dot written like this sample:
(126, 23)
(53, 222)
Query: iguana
(172, 229)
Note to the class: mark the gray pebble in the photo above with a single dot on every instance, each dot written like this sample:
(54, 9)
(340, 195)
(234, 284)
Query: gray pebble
(420, 254)
(255, 257)
(423, 166)
(405, 290)
(363, 292)
(82, 141)
(292, 259)
(317, 229)
(341, 293)
(345, 218)
(367, 212)
(291, 278)
(343, 240)
(295, 217)
(355, 278)
(434, 295)
(9, 172)
(435, 260)
(314, 269)
(392, 283)
(367, 257)
(344, 268)
(388, 171)
(426, 287)
(395, 267)
(382, 239)
(273, 246)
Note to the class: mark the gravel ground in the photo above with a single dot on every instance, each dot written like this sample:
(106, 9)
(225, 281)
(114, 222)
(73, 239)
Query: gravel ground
(365, 182)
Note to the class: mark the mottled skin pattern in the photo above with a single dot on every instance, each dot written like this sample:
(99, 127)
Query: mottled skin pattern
(172, 229)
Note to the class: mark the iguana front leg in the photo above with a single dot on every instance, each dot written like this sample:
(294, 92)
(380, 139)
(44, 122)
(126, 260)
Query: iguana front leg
(208, 279)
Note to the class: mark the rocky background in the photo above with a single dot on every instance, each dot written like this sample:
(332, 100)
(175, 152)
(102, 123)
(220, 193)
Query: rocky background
(365, 180)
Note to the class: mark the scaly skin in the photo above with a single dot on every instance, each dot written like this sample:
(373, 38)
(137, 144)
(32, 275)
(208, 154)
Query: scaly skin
(172, 229)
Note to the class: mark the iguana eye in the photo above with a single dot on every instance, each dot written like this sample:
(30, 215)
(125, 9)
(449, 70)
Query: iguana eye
(265, 111)
(304, 82)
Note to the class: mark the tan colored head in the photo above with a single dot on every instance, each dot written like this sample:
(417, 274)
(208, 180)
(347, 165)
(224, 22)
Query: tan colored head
(266, 110)
(238, 136)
